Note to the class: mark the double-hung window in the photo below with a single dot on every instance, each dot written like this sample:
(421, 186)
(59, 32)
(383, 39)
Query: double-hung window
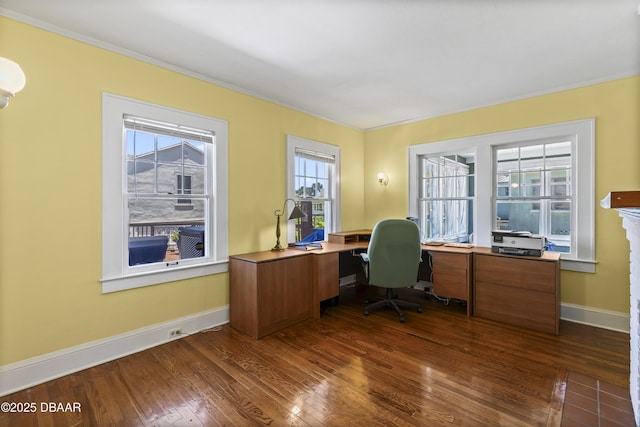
(164, 194)
(533, 190)
(446, 197)
(313, 183)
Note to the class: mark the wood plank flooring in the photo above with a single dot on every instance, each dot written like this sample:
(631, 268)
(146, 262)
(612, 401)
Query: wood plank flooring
(440, 368)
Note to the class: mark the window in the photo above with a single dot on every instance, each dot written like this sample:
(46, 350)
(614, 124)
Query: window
(313, 177)
(446, 197)
(183, 186)
(164, 194)
(537, 179)
(533, 190)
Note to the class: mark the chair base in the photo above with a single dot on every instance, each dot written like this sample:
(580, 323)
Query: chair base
(392, 301)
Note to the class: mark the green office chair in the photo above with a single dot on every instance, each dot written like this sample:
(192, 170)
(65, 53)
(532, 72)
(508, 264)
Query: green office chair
(392, 261)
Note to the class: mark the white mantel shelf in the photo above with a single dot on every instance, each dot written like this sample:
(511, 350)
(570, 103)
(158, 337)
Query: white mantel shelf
(628, 205)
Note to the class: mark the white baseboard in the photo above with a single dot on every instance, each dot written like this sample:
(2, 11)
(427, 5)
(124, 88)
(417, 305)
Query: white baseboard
(36, 370)
(605, 319)
(27, 373)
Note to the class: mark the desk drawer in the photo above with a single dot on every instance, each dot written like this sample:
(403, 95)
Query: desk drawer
(451, 275)
(520, 273)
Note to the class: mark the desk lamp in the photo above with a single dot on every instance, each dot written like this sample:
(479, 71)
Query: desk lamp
(295, 214)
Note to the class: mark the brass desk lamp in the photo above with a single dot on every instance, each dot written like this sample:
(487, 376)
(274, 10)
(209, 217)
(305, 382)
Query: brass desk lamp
(296, 213)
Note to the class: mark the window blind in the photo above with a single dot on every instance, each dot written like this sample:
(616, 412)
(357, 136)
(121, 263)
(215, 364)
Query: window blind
(314, 155)
(168, 129)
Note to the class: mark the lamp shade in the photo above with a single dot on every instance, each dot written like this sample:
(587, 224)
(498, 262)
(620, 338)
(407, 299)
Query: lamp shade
(296, 213)
(12, 78)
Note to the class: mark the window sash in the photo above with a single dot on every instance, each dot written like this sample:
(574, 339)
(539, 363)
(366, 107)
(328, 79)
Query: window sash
(300, 150)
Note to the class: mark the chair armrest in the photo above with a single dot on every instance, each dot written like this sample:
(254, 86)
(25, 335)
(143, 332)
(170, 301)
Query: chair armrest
(364, 260)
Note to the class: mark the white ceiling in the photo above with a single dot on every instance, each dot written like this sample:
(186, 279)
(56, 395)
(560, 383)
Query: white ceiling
(364, 63)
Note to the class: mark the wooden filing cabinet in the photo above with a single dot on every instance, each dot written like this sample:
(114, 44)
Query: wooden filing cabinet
(452, 274)
(522, 291)
(269, 291)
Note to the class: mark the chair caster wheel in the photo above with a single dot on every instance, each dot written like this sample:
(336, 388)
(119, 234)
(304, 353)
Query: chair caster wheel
(419, 309)
(366, 313)
(402, 320)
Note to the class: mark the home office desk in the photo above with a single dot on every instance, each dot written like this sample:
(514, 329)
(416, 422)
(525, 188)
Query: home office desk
(272, 290)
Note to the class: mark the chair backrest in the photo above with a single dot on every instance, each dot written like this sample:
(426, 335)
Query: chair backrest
(394, 253)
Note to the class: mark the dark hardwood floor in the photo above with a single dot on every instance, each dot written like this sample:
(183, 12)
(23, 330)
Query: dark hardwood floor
(440, 368)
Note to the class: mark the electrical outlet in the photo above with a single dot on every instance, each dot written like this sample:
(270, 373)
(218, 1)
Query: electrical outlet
(175, 332)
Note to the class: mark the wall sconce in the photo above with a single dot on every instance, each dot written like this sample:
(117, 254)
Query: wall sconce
(12, 80)
(383, 179)
(296, 213)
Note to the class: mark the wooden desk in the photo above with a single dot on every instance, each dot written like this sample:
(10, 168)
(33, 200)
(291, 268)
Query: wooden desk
(272, 290)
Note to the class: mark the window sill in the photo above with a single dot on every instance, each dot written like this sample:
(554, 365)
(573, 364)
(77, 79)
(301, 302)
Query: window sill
(122, 283)
(579, 265)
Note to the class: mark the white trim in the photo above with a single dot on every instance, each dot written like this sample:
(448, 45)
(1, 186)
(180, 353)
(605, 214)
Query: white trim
(605, 319)
(116, 273)
(36, 370)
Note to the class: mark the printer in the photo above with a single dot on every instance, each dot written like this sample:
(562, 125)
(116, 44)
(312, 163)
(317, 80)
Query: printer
(517, 243)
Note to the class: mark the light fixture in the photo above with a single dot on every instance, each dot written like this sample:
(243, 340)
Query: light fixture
(296, 213)
(383, 179)
(12, 80)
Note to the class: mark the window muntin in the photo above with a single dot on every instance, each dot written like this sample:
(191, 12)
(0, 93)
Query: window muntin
(313, 184)
(141, 179)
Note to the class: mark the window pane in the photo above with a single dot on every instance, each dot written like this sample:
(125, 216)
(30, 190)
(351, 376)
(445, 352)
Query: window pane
(141, 177)
(558, 155)
(432, 214)
(559, 181)
(140, 143)
(195, 179)
(160, 217)
(169, 149)
(507, 159)
(166, 176)
(311, 228)
(518, 216)
(531, 157)
(531, 184)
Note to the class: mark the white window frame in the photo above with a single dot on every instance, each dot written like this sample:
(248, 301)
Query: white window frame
(294, 142)
(582, 135)
(117, 275)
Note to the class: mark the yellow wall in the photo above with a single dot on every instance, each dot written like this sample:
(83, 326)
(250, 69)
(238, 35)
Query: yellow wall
(616, 107)
(51, 189)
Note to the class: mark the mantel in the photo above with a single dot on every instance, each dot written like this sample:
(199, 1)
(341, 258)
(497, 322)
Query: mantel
(622, 200)
(627, 203)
